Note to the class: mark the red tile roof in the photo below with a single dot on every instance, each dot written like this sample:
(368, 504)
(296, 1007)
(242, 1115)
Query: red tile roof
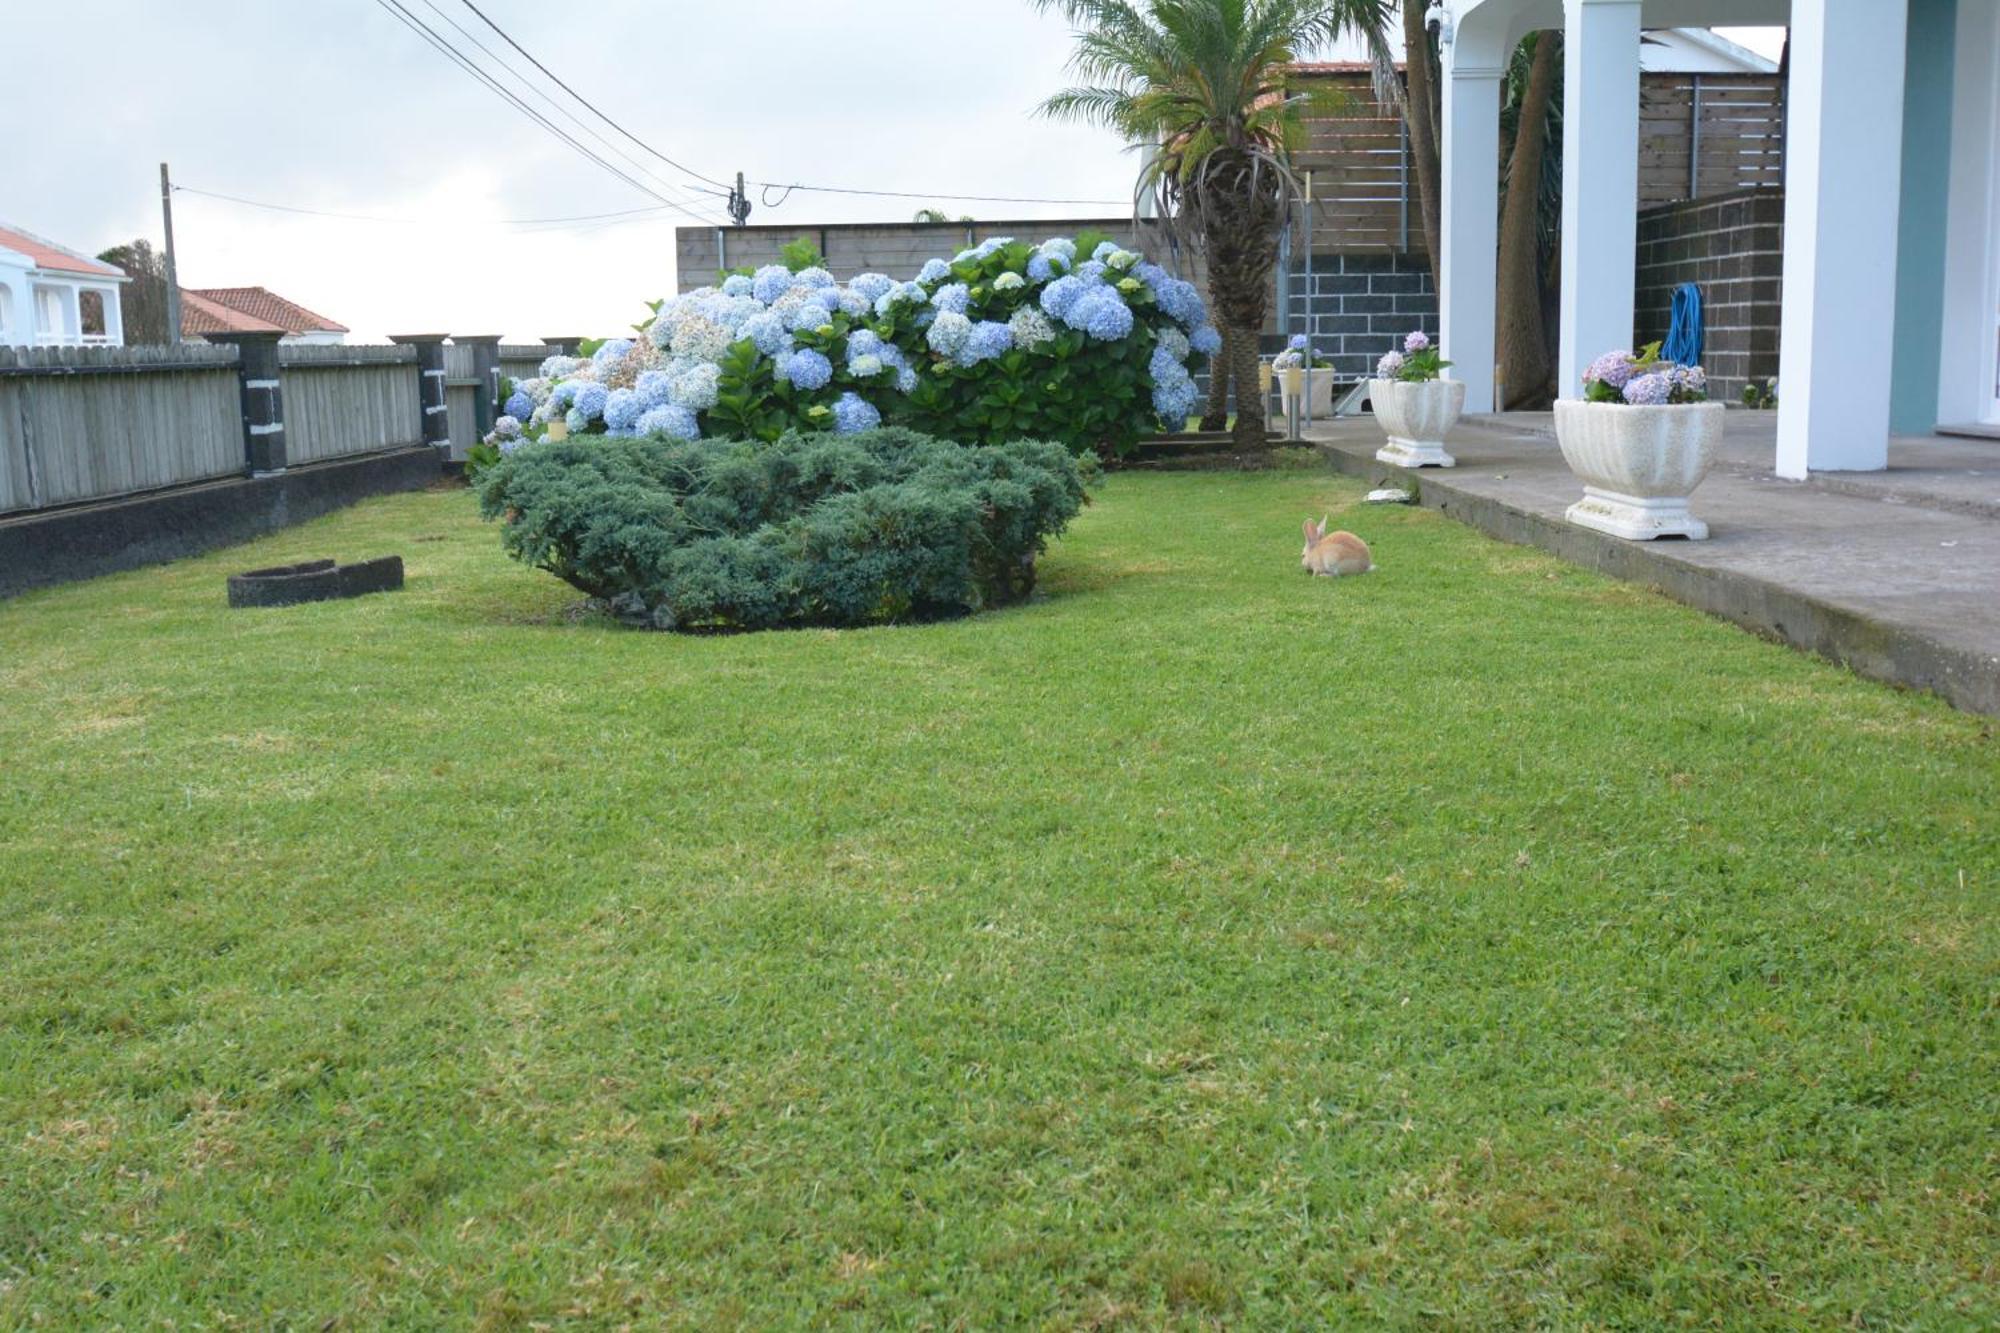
(200, 315)
(261, 308)
(49, 255)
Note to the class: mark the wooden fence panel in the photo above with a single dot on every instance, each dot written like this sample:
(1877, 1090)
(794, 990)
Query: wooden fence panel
(1707, 134)
(89, 423)
(459, 411)
(522, 361)
(348, 400)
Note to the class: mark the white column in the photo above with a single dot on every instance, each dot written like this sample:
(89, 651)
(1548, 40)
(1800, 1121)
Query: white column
(1843, 186)
(1469, 228)
(1600, 222)
(114, 315)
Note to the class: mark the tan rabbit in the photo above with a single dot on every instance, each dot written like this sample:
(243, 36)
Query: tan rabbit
(1334, 553)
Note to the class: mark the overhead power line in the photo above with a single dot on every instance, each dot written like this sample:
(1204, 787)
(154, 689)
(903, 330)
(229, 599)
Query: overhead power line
(396, 9)
(528, 81)
(586, 102)
(785, 187)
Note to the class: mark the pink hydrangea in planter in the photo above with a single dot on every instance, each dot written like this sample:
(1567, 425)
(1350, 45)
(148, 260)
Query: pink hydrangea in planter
(1416, 405)
(1641, 439)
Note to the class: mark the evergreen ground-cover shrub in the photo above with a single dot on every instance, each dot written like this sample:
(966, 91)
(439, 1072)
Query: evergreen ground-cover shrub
(809, 529)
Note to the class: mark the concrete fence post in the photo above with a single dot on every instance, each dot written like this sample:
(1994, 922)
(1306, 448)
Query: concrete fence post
(263, 400)
(432, 415)
(485, 366)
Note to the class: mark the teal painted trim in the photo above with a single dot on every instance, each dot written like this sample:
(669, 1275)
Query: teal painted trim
(1920, 234)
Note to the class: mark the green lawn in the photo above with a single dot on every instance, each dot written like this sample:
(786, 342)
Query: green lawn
(1480, 943)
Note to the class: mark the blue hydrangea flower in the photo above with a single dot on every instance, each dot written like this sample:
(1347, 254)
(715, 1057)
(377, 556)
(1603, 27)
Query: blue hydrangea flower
(812, 278)
(954, 297)
(908, 293)
(1299, 342)
(577, 422)
(1104, 250)
(565, 393)
(652, 387)
(736, 284)
(1205, 339)
(872, 286)
(1040, 269)
(697, 387)
(611, 353)
(906, 380)
(1182, 302)
(768, 332)
(555, 367)
(1090, 270)
(988, 339)
(590, 398)
(806, 369)
(621, 409)
(519, 405)
(1614, 368)
(863, 342)
(810, 316)
(1064, 292)
(772, 281)
(1060, 247)
(948, 333)
(934, 270)
(1101, 315)
(852, 412)
(675, 423)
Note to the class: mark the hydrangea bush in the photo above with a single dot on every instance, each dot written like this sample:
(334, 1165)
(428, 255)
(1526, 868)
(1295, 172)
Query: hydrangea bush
(1004, 341)
(1642, 379)
(1298, 354)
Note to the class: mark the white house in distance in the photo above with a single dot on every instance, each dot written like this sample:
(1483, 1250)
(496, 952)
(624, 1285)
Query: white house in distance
(51, 296)
(1891, 302)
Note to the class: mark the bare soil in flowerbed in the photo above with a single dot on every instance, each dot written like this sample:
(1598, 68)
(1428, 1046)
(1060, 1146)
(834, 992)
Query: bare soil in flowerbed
(1478, 943)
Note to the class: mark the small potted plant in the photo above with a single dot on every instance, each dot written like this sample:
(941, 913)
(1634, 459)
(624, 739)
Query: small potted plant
(1318, 386)
(1640, 439)
(1416, 405)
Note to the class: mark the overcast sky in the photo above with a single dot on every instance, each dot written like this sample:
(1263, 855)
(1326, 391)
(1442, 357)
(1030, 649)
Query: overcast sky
(334, 105)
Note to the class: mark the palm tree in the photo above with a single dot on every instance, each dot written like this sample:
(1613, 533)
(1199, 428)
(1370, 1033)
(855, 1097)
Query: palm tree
(1205, 80)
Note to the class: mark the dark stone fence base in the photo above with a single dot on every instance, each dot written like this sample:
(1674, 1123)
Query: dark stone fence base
(38, 550)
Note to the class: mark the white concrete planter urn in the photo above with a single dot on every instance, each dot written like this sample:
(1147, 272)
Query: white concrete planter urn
(1638, 464)
(1416, 415)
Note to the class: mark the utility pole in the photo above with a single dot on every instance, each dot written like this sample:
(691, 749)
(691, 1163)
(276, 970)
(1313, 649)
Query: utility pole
(173, 277)
(739, 203)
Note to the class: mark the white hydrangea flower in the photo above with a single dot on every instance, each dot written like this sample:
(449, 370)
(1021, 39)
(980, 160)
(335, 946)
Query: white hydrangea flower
(1031, 328)
(1008, 282)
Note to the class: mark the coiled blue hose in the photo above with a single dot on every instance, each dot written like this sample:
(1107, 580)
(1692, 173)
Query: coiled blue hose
(1684, 333)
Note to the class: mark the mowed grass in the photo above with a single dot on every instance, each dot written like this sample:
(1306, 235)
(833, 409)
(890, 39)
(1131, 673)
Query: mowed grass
(1477, 944)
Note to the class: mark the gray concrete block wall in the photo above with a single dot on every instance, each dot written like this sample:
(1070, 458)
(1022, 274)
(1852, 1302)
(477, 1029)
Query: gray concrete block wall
(1355, 307)
(1732, 247)
(898, 249)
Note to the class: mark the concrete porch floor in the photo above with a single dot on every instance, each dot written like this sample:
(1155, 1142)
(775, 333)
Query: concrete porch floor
(1895, 574)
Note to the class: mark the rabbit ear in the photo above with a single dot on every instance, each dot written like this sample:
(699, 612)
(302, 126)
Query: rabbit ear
(1311, 535)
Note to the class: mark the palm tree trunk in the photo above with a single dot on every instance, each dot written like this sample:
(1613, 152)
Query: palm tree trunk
(1524, 351)
(1217, 415)
(1241, 349)
(1421, 113)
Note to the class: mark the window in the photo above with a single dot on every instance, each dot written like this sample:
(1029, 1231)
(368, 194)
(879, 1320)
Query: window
(48, 312)
(7, 316)
(90, 313)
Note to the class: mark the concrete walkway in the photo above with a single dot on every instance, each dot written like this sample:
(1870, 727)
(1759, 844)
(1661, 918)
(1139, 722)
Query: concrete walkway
(1895, 574)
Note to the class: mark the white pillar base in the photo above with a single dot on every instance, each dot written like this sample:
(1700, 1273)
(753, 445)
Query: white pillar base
(1635, 518)
(1414, 453)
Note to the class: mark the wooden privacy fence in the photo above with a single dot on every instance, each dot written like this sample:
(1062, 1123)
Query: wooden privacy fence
(348, 400)
(1707, 134)
(92, 423)
(84, 423)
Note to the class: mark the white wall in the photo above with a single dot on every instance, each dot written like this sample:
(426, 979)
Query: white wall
(1966, 365)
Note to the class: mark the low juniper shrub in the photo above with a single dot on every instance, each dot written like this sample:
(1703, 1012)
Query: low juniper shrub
(812, 529)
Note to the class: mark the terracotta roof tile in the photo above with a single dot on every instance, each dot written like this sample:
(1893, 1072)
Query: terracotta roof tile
(267, 308)
(49, 255)
(200, 315)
